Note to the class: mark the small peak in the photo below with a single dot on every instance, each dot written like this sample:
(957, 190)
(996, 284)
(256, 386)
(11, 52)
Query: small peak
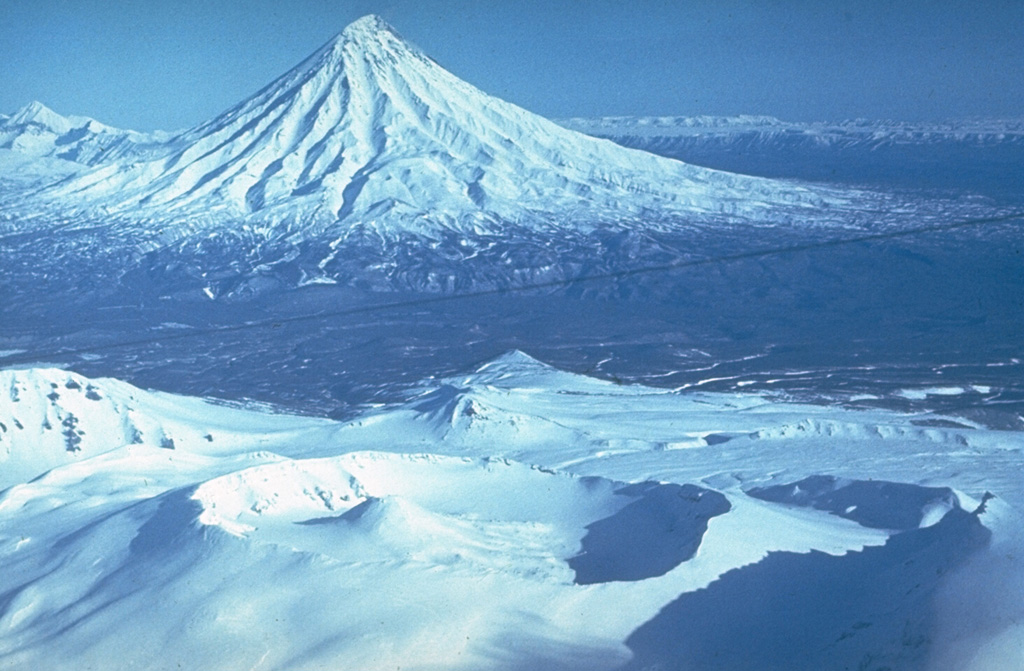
(38, 113)
(33, 111)
(515, 357)
(513, 362)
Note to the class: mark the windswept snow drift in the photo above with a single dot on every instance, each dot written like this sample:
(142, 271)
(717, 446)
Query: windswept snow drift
(604, 523)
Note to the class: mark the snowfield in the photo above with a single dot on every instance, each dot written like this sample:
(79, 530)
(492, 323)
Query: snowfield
(514, 517)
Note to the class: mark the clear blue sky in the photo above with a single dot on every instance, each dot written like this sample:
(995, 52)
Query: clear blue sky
(175, 63)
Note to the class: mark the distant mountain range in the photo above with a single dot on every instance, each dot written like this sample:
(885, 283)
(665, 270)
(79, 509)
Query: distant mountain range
(980, 156)
(976, 131)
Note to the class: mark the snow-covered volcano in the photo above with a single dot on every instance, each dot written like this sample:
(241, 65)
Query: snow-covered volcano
(369, 128)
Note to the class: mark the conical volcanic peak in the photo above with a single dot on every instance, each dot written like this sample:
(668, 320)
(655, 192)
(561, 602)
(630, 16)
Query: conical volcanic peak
(369, 129)
(368, 29)
(369, 38)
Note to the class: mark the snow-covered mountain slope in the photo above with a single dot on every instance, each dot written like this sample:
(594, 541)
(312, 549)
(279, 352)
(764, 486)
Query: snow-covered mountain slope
(370, 129)
(591, 546)
(51, 418)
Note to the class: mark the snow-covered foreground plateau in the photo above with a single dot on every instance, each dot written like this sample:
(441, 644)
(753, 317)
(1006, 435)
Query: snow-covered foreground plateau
(515, 517)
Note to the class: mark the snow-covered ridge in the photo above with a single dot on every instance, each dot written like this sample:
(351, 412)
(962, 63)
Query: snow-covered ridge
(36, 130)
(51, 418)
(37, 114)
